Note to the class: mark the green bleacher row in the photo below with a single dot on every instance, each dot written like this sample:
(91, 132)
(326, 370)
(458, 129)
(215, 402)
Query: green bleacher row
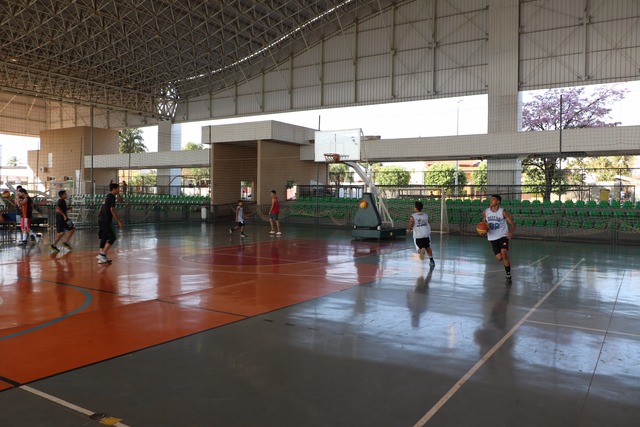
(344, 208)
(568, 214)
(145, 199)
(580, 214)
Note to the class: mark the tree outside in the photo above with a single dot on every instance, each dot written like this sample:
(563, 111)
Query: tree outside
(340, 173)
(598, 169)
(580, 109)
(197, 174)
(14, 161)
(479, 177)
(444, 175)
(131, 141)
(392, 175)
(148, 179)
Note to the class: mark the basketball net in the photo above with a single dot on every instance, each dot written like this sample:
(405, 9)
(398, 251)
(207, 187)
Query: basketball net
(331, 157)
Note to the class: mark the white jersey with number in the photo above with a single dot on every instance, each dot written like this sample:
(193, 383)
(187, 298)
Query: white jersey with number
(498, 226)
(421, 226)
(240, 213)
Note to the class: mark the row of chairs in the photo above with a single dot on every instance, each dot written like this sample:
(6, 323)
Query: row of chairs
(145, 199)
(556, 204)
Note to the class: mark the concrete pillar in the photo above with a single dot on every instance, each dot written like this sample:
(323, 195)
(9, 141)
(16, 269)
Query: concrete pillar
(169, 139)
(504, 177)
(503, 96)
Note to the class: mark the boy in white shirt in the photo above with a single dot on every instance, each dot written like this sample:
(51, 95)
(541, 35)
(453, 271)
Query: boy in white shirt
(239, 220)
(419, 224)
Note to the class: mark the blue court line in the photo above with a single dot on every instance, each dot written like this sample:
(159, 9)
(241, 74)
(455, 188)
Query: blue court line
(85, 304)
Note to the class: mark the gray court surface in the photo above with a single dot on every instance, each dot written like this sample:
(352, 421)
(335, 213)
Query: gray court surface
(452, 346)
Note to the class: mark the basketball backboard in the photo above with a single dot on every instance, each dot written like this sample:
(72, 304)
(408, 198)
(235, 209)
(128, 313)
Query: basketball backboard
(346, 142)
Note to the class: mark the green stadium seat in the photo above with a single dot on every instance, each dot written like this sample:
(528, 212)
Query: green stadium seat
(589, 224)
(626, 226)
(592, 204)
(600, 225)
(607, 213)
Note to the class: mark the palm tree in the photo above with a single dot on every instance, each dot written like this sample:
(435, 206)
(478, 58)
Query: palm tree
(131, 141)
(13, 161)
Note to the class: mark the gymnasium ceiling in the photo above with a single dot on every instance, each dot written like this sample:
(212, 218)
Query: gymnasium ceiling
(139, 55)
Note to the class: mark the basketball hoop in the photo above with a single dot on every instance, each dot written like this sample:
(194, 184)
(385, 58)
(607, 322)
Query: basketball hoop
(332, 157)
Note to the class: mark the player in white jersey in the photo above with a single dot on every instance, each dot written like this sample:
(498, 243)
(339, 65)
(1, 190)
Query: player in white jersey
(419, 224)
(501, 228)
(239, 220)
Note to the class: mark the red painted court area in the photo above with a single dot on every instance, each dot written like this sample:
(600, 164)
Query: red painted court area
(64, 311)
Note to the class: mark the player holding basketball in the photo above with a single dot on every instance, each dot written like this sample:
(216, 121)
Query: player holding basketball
(501, 228)
(419, 224)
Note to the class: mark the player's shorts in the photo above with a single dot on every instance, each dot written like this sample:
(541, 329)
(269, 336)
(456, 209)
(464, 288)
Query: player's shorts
(106, 232)
(499, 244)
(61, 224)
(240, 223)
(25, 223)
(423, 242)
(273, 216)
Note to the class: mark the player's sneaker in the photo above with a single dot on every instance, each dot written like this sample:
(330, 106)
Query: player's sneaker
(272, 232)
(508, 277)
(230, 231)
(432, 263)
(422, 252)
(278, 234)
(54, 248)
(66, 245)
(243, 235)
(102, 259)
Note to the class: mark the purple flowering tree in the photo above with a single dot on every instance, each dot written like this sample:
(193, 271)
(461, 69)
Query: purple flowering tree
(581, 108)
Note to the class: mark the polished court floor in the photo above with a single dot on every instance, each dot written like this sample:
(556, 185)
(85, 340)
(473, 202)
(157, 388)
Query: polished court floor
(192, 327)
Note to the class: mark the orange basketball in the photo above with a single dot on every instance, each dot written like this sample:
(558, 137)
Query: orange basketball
(363, 204)
(482, 228)
(6, 194)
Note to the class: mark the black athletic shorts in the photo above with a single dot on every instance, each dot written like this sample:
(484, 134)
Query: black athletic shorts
(499, 245)
(423, 242)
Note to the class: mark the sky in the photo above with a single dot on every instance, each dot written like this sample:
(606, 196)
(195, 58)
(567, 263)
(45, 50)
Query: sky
(450, 116)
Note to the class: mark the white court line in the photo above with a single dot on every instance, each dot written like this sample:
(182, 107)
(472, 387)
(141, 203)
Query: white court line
(64, 403)
(425, 419)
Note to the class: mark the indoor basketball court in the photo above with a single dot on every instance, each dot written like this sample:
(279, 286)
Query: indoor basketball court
(192, 326)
